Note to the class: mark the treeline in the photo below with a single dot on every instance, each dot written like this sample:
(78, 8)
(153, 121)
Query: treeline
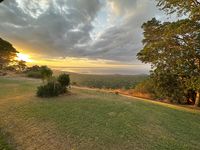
(107, 81)
(40, 72)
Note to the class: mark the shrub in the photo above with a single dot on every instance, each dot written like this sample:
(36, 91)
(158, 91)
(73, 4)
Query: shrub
(51, 89)
(34, 74)
(42, 72)
(46, 72)
(54, 87)
(64, 80)
(33, 68)
(147, 87)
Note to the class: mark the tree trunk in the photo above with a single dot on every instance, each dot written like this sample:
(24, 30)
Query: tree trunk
(197, 101)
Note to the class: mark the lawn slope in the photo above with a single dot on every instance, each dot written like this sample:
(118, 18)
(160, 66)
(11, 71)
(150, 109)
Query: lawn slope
(93, 120)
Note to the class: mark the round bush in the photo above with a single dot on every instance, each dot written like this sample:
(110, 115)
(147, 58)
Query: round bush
(51, 89)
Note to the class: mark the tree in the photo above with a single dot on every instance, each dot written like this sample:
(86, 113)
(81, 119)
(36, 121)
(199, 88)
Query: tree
(8, 54)
(173, 48)
(186, 7)
(21, 65)
(1, 1)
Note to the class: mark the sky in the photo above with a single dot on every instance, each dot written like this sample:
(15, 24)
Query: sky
(85, 36)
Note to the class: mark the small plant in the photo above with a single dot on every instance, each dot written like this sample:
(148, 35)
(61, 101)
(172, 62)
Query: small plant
(64, 80)
(46, 72)
(51, 89)
(54, 87)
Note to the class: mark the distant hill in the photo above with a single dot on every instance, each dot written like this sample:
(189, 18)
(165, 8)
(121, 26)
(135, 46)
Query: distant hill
(115, 81)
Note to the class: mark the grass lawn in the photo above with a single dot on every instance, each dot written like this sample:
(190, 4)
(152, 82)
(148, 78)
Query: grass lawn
(3, 142)
(92, 120)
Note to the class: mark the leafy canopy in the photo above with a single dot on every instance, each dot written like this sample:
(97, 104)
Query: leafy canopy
(173, 48)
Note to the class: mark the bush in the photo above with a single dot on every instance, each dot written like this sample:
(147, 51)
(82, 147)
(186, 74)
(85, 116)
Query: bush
(54, 87)
(35, 68)
(64, 80)
(46, 72)
(34, 74)
(147, 87)
(42, 72)
(51, 89)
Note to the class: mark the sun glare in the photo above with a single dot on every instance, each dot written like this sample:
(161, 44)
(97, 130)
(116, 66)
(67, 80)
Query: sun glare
(23, 57)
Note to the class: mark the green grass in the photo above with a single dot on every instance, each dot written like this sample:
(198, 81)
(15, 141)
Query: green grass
(96, 120)
(4, 143)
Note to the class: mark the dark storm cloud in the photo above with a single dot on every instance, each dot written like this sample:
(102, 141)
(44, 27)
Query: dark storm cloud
(60, 28)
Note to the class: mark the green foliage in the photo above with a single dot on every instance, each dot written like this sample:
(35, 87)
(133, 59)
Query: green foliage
(64, 80)
(4, 142)
(42, 72)
(147, 86)
(170, 86)
(181, 7)
(33, 68)
(51, 89)
(54, 87)
(8, 53)
(173, 49)
(46, 72)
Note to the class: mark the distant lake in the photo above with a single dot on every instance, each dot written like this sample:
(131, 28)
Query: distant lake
(103, 70)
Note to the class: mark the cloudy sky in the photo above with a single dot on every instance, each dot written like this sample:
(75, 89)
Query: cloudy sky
(79, 34)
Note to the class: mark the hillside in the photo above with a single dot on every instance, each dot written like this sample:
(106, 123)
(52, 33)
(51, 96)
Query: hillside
(91, 120)
(105, 81)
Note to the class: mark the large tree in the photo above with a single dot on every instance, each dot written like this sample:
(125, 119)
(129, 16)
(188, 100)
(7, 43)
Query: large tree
(7, 54)
(173, 48)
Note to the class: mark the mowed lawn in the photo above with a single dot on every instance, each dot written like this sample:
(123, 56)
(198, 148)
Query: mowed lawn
(91, 120)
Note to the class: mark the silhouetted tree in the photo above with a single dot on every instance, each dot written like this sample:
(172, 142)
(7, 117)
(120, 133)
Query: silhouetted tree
(21, 65)
(7, 53)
